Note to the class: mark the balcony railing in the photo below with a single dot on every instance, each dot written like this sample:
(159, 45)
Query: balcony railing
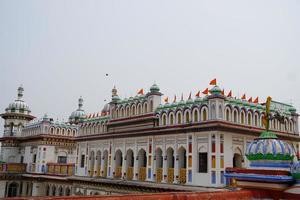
(12, 168)
(60, 169)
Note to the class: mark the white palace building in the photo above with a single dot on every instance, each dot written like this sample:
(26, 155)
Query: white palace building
(149, 144)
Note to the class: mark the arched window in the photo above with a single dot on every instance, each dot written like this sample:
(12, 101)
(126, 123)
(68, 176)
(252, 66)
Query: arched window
(122, 112)
(235, 116)
(249, 119)
(164, 120)
(213, 111)
(221, 112)
(57, 131)
(171, 116)
(133, 110)
(227, 115)
(179, 118)
(291, 127)
(127, 111)
(145, 107)
(196, 116)
(242, 117)
(187, 117)
(139, 109)
(255, 120)
(204, 114)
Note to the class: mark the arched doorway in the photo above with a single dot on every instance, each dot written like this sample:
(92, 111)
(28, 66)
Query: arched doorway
(159, 165)
(182, 165)
(129, 164)
(170, 164)
(12, 189)
(91, 163)
(68, 191)
(98, 163)
(118, 163)
(105, 163)
(142, 163)
(237, 158)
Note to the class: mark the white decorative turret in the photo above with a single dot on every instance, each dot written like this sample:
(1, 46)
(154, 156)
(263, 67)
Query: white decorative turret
(78, 114)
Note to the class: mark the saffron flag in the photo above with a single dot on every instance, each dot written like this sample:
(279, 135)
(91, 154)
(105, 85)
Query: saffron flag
(244, 97)
(174, 99)
(213, 82)
(198, 94)
(250, 100)
(223, 92)
(205, 91)
(255, 100)
(229, 94)
(141, 91)
(166, 100)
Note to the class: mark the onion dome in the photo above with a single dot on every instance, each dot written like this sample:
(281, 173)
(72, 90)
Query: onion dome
(154, 88)
(77, 114)
(19, 105)
(105, 110)
(216, 90)
(269, 151)
(295, 171)
(114, 95)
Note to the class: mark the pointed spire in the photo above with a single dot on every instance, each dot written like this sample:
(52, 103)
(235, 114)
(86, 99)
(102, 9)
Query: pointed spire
(114, 92)
(190, 96)
(174, 99)
(20, 92)
(80, 103)
(181, 97)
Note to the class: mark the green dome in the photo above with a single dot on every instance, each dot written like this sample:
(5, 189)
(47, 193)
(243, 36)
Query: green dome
(154, 88)
(216, 90)
(198, 100)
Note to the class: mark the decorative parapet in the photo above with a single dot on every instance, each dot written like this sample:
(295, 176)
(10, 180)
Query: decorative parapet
(60, 169)
(15, 168)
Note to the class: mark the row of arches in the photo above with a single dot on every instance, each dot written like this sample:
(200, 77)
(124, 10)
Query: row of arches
(129, 166)
(58, 190)
(187, 116)
(12, 128)
(93, 128)
(136, 108)
(62, 131)
(254, 118)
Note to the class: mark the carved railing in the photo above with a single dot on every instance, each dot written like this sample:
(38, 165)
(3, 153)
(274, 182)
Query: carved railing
(12, 168)
(60, 169)
(182, 176)
(118, 172)
(129, 173)
(170, 175)
(159, 175)
(142, 173)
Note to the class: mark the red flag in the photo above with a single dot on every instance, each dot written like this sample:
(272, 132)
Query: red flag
(213, 82)
(255, 100)
(250, 100)
(205, 91)
(223, 92)
(244, 97)
(198, 94)
(229, 94)
(166, 100)
(141, 91)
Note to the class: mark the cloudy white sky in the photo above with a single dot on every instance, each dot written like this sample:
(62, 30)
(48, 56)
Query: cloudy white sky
(60, 50)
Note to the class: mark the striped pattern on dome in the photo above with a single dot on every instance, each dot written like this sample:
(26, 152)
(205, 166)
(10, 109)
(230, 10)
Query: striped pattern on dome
(269, 146)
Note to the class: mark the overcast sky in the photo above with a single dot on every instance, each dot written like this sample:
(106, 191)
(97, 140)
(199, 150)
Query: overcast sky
(60, 50)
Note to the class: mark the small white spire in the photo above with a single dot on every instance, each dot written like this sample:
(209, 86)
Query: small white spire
(20, 92)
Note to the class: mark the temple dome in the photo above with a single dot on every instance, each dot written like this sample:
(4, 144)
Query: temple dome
(79, 113)
(19, 105)
(154, 88)
(269, 151)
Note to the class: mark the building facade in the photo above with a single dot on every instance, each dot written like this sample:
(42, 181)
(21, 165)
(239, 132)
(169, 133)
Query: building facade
(138, 140)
